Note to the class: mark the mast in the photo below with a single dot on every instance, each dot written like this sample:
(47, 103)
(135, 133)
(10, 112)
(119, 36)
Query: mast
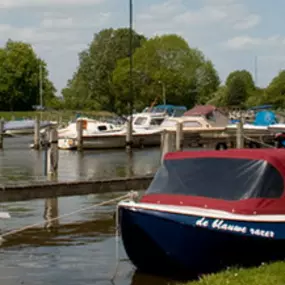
(41, 89)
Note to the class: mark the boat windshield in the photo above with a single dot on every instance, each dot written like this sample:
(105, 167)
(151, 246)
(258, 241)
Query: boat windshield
(218, 178)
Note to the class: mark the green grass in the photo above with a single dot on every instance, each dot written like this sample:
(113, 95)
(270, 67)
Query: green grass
(268, 274)
(64, 115)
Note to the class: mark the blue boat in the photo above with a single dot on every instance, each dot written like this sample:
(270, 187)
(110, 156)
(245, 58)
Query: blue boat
(207, 210)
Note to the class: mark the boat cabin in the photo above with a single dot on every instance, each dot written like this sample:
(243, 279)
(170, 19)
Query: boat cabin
(147, 120)
(168, 110)
(215, 116)
(241, 181)
(187, 122)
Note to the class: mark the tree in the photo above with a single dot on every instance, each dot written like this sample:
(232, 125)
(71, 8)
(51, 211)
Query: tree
(275, 92)
(92, 86)
(240, 85)
(19, 81)
(165, 61)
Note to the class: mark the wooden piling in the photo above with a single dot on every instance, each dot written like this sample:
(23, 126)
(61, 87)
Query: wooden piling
(79, 129)
(129, 135)
(168, 143)
(52, 159)
(239, 135)
(37, 134)
(179, 136)
(1, 133)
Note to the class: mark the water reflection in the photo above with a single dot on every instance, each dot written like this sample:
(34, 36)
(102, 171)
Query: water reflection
(79, 249)
(51, 213)
(19, 163)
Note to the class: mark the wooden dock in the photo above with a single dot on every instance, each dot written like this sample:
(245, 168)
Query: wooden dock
(77, 188)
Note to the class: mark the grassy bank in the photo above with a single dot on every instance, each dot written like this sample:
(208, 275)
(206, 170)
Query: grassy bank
(64, 115)
(269, 274)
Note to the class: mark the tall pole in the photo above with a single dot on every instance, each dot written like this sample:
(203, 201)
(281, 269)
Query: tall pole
(41, 89)
(131, 100)
(163, 93)
(256, 70)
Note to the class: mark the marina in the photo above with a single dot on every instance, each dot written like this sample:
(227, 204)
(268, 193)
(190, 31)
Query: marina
(79, 249)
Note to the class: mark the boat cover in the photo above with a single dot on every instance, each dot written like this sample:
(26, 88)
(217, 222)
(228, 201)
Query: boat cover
(246, 181)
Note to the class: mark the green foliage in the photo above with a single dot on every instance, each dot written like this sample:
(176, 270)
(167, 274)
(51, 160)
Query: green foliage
(19, 81)
(168, 61)
(91, 86)
(240, 85)
(275, 92)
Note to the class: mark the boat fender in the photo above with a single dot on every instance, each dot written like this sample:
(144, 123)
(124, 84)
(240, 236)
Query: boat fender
(221, 146)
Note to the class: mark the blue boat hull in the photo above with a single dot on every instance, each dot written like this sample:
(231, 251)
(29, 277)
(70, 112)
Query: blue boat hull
(160, 242)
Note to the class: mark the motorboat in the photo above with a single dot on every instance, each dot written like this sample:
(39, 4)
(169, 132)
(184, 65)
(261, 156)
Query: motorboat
(98, 135)
(207, 210)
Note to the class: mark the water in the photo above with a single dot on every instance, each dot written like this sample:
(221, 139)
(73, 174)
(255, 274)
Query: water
(81, 248)
(19, 164)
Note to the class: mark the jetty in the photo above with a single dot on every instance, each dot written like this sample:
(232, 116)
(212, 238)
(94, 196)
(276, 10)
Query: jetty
(77, 188)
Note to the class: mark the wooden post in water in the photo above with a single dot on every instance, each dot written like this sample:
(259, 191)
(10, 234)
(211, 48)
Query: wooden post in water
(79, 129)
(179, 136)
(239, 134)
(37, 134)
(168, 143)
(52, 159)
(1, 133)
(129, 135)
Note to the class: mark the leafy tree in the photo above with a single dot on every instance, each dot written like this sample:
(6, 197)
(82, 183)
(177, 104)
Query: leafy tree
(165, 61)
(240, 85)
(19, 81)
(92, 84)
(275, 92)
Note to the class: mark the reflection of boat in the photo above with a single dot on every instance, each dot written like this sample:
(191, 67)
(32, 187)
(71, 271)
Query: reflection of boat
(207, 210)
(23, 127)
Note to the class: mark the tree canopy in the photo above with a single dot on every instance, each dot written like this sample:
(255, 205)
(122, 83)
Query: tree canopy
(163, 67)
(19, 81)
(166, 62)
(92, 84)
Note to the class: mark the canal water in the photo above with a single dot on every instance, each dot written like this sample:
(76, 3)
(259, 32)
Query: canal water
(79, 249)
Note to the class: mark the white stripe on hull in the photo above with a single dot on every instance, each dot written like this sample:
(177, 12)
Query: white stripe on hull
(200, 212)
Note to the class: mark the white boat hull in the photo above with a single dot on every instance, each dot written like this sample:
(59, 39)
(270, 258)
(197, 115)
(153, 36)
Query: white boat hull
(111, 141)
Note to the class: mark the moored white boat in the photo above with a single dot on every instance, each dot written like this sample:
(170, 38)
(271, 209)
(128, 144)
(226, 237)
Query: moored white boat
(146, 132)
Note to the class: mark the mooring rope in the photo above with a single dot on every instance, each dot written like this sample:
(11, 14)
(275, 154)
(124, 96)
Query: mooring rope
(258, 142)
(131, 195)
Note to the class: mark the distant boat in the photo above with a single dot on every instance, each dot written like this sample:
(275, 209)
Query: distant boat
(23, 127)
(208, 210)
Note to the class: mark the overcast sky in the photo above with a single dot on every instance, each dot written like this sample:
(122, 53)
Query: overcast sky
(229, 32)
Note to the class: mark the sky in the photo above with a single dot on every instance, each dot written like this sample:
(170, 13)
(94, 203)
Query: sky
(232, 33)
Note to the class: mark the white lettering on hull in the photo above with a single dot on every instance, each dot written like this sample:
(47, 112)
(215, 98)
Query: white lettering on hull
(218, 224)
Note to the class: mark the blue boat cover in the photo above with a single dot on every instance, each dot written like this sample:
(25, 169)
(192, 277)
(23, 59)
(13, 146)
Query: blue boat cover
(265, 118)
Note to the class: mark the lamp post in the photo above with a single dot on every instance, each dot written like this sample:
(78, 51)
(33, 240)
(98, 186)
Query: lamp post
(163, 92)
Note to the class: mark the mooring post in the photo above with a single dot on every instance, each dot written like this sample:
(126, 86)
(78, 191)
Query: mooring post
(129, 135)
(52, 159)
(79, 129)
(168, 143)
(239, 134)
(179, 136)
(37, 134)
(1, 133)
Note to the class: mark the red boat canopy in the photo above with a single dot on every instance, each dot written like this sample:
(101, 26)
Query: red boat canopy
(246, 181)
